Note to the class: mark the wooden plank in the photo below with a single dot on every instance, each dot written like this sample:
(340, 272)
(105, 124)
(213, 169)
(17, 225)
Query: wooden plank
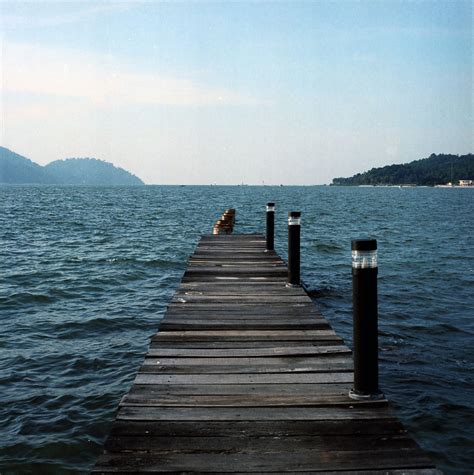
(264, 395)
(210, 278)
(238, 300)
(242, 320)
(246, 376)
(275, 310)
(237, 260)
(256, 289)
(237, 288)
(244, 334)
(231, 267)
(250, 400)
(170, 337)
(268, 378)
(181, 323)
(316, 367)
(222, 261)
(239, 317)
(251, 413)
(248, 335)
(257, 428)
(217, 289)
(236, 402)
(235, 273)
(316, 443)
(218, 350)
(241, 298)
(244, 310)
(232, 313)
(302, 461)
(287, 361)
(290, 308)
(249, 345)
(243, 306)
(244, 390)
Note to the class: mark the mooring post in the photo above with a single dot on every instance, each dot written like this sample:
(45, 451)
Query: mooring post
(270, 226)
(225, 225)
(365, 320)
(294, 228)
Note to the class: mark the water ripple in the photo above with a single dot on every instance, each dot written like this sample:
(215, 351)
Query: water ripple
(86, 274)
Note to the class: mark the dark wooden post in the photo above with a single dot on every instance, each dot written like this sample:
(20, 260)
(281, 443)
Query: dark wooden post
(365, 320)
(270, 226)
(294, 226)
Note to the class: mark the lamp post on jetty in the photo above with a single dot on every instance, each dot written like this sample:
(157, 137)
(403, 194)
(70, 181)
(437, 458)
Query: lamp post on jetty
(294, 232)
(270, 227)
(365, 320)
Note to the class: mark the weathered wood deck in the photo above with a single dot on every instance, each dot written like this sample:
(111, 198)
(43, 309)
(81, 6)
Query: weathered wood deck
(245, 376)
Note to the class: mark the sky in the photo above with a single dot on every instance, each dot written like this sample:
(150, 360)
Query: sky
(237, 92)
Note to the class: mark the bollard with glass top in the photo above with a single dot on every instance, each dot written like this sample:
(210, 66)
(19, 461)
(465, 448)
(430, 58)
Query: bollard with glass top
(365, 320)
(294, 229)
(270, 227)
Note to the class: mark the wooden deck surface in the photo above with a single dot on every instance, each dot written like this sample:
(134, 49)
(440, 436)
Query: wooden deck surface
(246, 376)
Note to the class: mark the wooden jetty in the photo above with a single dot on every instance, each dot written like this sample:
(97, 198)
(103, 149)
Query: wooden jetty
(246, 376)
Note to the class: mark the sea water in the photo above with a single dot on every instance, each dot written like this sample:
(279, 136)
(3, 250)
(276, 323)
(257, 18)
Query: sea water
(86, 274)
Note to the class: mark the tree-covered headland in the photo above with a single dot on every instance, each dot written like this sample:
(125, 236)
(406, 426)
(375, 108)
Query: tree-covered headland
(16, 169)
(434, 170)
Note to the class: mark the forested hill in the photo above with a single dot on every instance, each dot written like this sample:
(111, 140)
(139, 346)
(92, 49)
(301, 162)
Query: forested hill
(435, 170)
(15, 169)
(89, 171)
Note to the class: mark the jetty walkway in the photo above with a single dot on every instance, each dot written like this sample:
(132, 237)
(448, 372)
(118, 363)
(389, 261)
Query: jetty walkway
(246, 376)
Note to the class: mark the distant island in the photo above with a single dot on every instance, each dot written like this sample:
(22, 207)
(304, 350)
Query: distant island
(434, 170)
(16, 169)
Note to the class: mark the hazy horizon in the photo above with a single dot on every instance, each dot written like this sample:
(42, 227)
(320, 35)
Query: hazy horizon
(230, 93)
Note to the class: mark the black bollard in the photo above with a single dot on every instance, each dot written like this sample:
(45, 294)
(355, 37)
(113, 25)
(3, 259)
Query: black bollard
(270, 226)
(365, 320)
(294, 228)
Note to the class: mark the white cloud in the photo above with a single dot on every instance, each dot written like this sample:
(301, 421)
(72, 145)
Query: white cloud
(100, 80)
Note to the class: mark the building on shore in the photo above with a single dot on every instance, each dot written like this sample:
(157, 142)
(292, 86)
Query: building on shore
(461, 184)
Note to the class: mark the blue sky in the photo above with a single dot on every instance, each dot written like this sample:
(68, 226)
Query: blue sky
(231, 92)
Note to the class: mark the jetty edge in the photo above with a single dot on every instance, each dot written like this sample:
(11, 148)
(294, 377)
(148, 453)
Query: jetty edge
(246, 376)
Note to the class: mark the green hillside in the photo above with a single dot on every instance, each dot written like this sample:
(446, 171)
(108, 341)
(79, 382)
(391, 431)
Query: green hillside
(435, 170)
(89, 171)
(16, 169)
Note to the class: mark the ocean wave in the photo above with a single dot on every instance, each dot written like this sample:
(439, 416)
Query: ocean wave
(325, 292)
(130, 261)
(25, 298)
(439, 329)
(88, 273)
(101, 325)
(327, 247)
